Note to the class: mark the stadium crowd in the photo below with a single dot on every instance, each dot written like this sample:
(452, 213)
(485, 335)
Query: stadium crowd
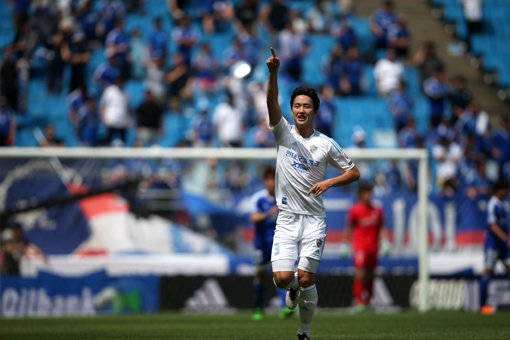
(223, 94)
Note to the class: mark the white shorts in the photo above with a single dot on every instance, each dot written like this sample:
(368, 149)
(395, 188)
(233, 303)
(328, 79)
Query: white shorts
(297, 236)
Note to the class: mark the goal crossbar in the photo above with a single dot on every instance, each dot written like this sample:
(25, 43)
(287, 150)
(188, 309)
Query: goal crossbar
(420, 155)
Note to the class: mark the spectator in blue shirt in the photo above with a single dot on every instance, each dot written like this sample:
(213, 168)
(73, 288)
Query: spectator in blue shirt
(185, 38)
(75, 100)
(202, 132)
(118, 42)
(407, 136)
(325, 120)
(399, 37)
(334, 67)
(352, 73)
(88, 20)
(88, 123)
(106, 72)
(109, 12)
(437, 91)
(500, 143)
(344, 34)
(206, 70)
(381, 22)
(400, 104)
(158, 40)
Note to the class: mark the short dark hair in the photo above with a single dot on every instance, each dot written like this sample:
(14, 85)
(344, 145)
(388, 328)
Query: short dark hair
(306, 91)
(501, 184)
(365, 186)
(268, 172)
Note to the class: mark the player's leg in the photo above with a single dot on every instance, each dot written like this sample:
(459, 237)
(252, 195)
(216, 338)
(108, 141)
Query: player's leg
(258, 290)
(358, 285)
(285, 253)
(308, 296)
(368, 282)
(490, 258)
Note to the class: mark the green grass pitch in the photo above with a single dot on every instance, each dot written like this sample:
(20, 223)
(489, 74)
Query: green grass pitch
(326, 325)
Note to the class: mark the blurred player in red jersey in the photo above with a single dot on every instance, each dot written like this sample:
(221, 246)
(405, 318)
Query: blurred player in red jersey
(364, 228)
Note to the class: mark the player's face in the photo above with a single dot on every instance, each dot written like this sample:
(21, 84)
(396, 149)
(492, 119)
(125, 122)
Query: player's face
(303, 111)
(365, 196)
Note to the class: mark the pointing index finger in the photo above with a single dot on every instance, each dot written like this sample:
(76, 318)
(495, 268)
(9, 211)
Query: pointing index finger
(272, 51)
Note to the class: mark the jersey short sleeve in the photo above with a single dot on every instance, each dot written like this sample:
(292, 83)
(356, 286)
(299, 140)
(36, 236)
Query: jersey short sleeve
(338, 157)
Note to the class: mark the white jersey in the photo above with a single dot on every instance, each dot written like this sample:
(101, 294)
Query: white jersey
(300, 164)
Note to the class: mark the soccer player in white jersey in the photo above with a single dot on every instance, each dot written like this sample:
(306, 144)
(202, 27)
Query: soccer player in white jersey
(302, 157)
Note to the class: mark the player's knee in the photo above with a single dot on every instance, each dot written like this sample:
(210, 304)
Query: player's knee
(306, 280)
(282, 279)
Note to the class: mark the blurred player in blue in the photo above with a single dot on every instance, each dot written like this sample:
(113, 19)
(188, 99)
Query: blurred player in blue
(496, 245)
(263, 216)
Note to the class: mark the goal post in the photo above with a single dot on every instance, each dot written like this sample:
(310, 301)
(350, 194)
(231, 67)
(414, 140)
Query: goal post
(255, 154)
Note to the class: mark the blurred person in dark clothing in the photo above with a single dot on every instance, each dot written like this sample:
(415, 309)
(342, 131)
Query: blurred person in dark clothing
(277, 15)
(8, 79)
(57, 56)
(460, 97)
(149, 120)
(427, 60)
(7, 124)
(178, 81)
(50, 138)
(14, 247)
(247, 13)
(80, 56)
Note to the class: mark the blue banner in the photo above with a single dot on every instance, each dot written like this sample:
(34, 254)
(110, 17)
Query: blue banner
(96, 293)
(58, 229)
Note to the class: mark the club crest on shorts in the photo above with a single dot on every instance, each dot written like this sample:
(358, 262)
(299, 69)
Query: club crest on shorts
(318, 242)
(313, 148)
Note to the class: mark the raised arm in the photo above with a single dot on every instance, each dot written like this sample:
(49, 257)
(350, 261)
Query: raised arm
(275, 113)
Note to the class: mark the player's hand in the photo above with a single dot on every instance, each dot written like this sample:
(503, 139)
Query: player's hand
(345, 250)
(273, 211)
(319, 188)
(273, 63)
(385, 247)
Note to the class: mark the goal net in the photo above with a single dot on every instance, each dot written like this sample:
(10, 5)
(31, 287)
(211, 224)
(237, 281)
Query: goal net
(76, 203)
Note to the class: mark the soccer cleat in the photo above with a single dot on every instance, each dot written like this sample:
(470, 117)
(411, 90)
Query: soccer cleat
(285, 313)
(487, 310)
(258, 315)
(303, 336)
(359, 309)
(291, 298)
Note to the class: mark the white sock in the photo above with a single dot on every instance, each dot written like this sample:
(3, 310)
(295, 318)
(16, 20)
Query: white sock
(307, 304)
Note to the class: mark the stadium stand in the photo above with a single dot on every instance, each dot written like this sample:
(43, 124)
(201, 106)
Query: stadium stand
(378, 124)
